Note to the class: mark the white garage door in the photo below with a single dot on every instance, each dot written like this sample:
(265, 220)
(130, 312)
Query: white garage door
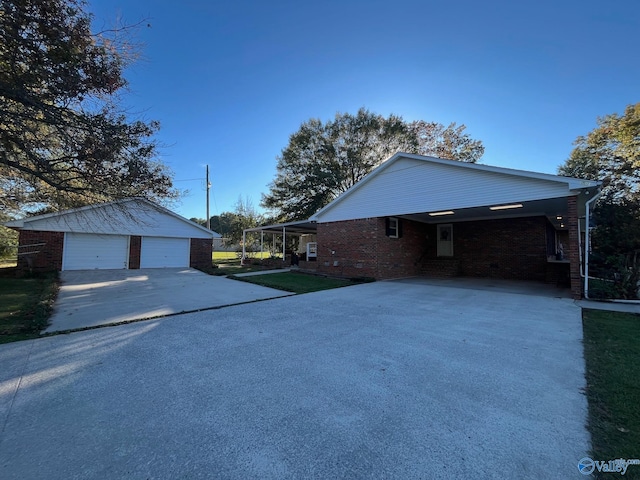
(163, 252)
(87, 251)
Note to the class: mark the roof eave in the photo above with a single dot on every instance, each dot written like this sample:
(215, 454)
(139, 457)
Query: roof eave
(19, 224)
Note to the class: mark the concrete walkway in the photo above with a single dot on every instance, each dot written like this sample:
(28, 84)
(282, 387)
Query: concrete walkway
(89, 298)
(387, 380)
(625, 307)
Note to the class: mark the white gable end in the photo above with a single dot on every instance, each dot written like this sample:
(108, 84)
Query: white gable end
(410, 186)
(127, 218)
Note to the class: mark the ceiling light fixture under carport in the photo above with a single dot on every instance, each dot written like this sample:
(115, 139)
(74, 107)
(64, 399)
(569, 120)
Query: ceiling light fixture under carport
(437, 214)
(506, 207)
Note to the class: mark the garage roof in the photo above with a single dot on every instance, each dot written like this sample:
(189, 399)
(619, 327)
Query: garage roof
(131, 216)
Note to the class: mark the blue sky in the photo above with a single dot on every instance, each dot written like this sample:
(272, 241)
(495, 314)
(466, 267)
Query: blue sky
(231, 80)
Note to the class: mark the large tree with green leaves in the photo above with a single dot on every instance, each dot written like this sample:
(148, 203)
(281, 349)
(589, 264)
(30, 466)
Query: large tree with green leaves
(64, 138)
(610, 153)
(324, 159)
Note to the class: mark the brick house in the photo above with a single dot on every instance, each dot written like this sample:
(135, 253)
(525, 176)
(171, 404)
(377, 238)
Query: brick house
(126, 234)
(417, 215)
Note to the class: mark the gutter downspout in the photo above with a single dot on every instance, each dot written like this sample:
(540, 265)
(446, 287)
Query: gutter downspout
(587, 242)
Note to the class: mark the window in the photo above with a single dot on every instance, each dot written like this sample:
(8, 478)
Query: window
(445, 240)
(394, 228)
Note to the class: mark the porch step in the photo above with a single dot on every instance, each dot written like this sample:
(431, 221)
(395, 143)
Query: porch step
(440, 267)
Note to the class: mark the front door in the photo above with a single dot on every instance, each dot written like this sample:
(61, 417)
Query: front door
(445, 240)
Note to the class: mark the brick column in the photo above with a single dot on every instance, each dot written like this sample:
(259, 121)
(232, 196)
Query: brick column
(201, 253)
(573, 247)
(135, 247)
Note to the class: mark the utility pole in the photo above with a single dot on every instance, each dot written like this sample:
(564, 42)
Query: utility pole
(208, 188)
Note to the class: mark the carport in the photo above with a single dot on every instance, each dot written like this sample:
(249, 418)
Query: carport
(417, 215)
(282, 230)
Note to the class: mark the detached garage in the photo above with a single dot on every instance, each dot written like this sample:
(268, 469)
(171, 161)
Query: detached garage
(127, 234)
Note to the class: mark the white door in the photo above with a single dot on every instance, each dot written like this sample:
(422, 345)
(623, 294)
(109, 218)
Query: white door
(164, 252)
(89, 251)
(445, 240)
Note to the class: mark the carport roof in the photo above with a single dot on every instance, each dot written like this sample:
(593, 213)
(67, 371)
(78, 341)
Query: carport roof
(435, 190)
(301, 227)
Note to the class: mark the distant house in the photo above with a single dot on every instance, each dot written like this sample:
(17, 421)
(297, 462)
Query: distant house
(417, 215)
(126, 234)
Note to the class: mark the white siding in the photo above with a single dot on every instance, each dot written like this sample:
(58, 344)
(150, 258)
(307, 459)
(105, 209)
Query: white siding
(88, 252)
(414, 186)
(163, 252)
(127, 218)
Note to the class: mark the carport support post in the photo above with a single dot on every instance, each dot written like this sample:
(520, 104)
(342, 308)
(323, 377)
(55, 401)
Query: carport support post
(284, 243)
(261, 244)
(244, 250)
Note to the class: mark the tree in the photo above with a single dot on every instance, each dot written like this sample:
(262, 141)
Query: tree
(64, 139)
(323, 160)
(244, 216)
(615, 255)
(436, 140)
(8, 239)
(232, 224)
(611, 154)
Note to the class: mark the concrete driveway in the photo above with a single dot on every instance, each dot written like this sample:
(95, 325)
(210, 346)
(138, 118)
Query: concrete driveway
(89, 298)
(389, 380)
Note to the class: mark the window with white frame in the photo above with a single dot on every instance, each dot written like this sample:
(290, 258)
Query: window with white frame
(393, 227)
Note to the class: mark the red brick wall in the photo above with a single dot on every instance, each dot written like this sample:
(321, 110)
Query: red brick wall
(200, 256)
(513, 248)
(135, 247)
(362, 249)
(348, 248)
(508, 248)
(572, 250)
(49, 256)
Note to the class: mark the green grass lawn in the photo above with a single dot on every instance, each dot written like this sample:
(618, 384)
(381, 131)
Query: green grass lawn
(225, 256)
(8, 262)
(612, 354)
(297, 282)
(25, 306)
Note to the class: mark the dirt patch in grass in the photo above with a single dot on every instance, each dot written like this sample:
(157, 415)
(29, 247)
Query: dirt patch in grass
(298, 282)
(612, 355)
(25, 305)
